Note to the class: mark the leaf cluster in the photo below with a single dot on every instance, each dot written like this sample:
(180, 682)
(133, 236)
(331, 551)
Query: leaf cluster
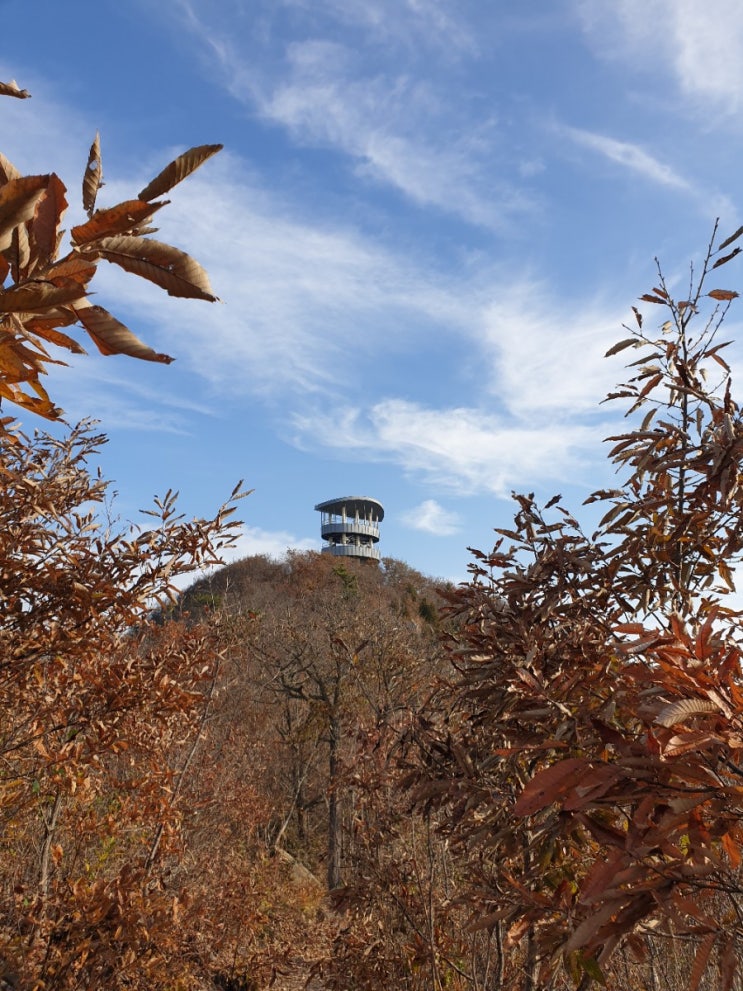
(44, 292)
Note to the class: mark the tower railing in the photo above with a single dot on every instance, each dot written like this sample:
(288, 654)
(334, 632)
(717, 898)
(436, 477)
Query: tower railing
(350, 525)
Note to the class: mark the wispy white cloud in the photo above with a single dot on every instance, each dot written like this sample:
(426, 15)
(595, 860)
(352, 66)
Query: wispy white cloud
(465, 450)
(308, 308)
(408, 24)
(112, 389)
(698, 44)
(542, 356)
(638, 162)
(396, 126)
(397, 129)
(630, 156)
(431, 517)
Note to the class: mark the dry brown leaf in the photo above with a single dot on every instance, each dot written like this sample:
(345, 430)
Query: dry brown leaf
(42, 323)
(677, 712)
(47, 218)
(728, 963)
(593, 924)
(53, 335)
(93, 178)
(701, 960)
(18, 199)
(34, 404)
(18, 254)
(74, 266)
(8, 171)
(116, 220)
(12, 89)
(549, 784)
(729, 240)
(723, 294)
(173, 270)
(35, 296)
(111, 336)
(12, 367)
(726, 258)
(177, 170)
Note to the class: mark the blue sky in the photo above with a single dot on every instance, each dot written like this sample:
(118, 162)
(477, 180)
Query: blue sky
(429, 222)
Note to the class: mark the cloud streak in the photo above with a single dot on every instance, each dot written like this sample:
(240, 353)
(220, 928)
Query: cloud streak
(385, 124)
(465, 450)
(629, 156)
(396, 126)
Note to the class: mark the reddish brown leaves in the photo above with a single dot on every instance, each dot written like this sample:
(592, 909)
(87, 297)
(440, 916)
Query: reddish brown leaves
(723, 294)
(104, 706)
(550, 785)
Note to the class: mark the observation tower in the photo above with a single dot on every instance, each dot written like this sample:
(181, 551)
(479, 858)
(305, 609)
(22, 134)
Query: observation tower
(350, 525)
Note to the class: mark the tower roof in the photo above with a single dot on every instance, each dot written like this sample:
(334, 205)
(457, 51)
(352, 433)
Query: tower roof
(364, 505)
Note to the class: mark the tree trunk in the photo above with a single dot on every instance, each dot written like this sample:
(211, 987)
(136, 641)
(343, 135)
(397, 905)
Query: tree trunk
(334, 844)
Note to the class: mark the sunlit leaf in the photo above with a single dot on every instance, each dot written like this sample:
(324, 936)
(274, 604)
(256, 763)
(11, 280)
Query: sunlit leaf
(74, 267)
(173, 270)
(37, 295)
(93, 178)
(678, 712)
(111, 336)
(8, 171)
(12, 89)
(18, 199)
(628, 342)
(115, 220)
(726, 258)
(723, 294)
(55, 336)
(729, 240)
(47, 218)
(177, 170)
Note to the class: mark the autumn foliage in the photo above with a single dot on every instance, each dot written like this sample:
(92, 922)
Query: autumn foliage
(590, 772)
(308, 770)
(102, 708)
